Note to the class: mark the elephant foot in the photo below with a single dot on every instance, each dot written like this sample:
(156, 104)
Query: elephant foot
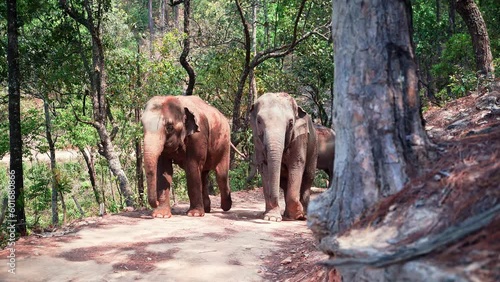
(162, 212)
(226, 204)
(295, 215)
(196, 212)
(273, 215)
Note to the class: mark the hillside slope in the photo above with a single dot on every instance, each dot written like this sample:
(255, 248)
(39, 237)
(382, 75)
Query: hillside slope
(444, 225)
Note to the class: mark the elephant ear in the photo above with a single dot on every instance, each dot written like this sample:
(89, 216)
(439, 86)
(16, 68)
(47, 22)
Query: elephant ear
(301, 123)
(191, 122)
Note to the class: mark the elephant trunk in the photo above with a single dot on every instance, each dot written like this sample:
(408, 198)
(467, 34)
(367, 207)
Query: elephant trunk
(275, 146)
(153, 147)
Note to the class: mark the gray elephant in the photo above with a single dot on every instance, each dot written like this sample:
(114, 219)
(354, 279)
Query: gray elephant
(325, 140)
(186, 131)
(285, 150)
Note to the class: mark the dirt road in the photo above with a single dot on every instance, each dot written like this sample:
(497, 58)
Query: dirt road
(222, 246)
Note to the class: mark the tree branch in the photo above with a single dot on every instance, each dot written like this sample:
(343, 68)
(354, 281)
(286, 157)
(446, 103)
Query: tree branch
(246, 31)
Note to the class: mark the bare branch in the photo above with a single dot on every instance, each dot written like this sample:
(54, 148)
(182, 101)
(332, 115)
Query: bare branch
(175, 2)
(246, 30)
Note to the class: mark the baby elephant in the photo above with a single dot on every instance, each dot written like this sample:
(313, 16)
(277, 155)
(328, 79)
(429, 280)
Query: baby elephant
(325, 140)
(186, 131)
(285, 151)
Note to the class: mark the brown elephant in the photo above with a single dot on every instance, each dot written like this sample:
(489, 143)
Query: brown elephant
(285, 151)
(186, 131)
(325, 140)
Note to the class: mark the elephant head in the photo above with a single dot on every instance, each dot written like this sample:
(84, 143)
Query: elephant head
(276, 121)
(166, 123)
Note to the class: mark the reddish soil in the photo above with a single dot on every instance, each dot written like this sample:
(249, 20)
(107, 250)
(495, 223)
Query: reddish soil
(235, 245)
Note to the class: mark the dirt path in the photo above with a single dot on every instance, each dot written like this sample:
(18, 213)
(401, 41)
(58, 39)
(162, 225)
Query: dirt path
(222, 246)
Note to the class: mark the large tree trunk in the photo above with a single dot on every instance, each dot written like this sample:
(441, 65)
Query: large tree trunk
(52, 153)
(380, 139)
(15, 141)
(471, 15)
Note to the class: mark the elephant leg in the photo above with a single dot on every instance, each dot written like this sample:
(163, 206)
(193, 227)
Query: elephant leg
(164, 173)
(206, 198)
(222, 177)
(294, 209)
(273, 212)
(195, 193)
(305, 188)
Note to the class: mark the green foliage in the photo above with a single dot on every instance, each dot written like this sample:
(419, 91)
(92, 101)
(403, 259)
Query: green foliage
(320, 179)
(4, 130)
(37, 194)
(444, 52)
(179, 184)
(238, 177)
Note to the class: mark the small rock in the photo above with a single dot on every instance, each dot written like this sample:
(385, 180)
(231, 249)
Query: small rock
(419, 203)
(287, 260)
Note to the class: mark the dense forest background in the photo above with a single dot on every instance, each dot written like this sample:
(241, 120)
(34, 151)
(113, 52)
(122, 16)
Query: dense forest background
(88, 67)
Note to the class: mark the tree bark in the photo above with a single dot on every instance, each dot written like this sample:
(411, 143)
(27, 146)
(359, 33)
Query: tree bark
(15, 140)
(472, 17)
(380, 139)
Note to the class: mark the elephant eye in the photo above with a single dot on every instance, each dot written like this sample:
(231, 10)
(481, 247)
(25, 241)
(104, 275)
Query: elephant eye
(290, 123)
(170, 127)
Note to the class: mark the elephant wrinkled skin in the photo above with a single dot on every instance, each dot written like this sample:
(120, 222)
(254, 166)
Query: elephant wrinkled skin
(285, 150)
(186, 131)
(325, 140)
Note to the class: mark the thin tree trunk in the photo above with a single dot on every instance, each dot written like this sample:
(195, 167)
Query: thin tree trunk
(89, 161)
(15, 140)
(151, 27)
(82, 213)
(115, 166)
(138, 163)
(380, 139)
(176, 16)
(451, 17)
(162, 16)
(63, 204)
(472, 17)
(185, 50)
(252, 95)
(53, 169)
